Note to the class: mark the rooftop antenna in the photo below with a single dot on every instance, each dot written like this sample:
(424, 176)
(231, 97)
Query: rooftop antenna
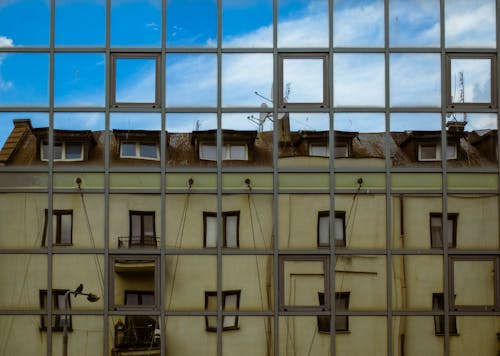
(263, 116)
(197, 125)
(461, 94)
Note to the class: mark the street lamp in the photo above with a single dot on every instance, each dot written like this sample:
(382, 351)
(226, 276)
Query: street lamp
(90, 297)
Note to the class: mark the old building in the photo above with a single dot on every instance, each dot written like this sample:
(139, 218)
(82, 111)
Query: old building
(176, 179)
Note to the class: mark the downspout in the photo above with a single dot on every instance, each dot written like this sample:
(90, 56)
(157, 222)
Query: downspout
(404, 293)
(269, 273)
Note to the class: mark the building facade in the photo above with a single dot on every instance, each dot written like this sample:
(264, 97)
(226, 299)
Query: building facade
(356, 214)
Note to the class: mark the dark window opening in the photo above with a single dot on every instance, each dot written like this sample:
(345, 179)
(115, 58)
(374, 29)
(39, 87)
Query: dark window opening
(230, 229)
(341, 305)
(324, 229)
(438, 305)
(58, 321)
(230, 303)
(142, 229)
(62, 227)
(436, 223)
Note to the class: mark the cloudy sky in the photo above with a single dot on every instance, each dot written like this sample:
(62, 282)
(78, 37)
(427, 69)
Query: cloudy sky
(191, 78)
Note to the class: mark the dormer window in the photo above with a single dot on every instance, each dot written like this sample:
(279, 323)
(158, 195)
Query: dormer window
(319, 151)
(235, 152)
(140, 150)
(432, 152)
(63, 151)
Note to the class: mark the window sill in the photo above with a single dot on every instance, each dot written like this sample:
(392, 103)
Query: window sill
(451, 334)
(56, 329)
(336, 332)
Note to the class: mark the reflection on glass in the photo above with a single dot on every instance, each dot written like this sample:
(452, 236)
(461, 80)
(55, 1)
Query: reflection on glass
(135, 80)
(185, 69)
(409, 331)
(135, 22)
(182, 30)
(415, 79)
(243, 75)
(303, 80)
(247, 24)
(79, 79)
(80, 22)
(303, 23)
(414, 23)
(302, 280)
(470, 80)
(474, 283)
(358, 23)
(470, 24)
(24, 23)
(359, 79)
(135, 333)
(24, 79)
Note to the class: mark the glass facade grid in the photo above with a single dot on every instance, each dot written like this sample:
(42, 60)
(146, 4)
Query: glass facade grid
(247, 145)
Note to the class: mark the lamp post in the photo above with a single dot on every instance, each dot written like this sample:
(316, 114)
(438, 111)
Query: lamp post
(90, 297)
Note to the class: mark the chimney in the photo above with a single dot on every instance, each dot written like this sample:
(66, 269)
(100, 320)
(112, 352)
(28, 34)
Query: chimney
(456, 126)
(284, 128)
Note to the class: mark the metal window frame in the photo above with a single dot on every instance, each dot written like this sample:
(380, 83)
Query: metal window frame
(43, 296)
(344, 296)
(451, 216)
(438, 305)
(338, 215)
(114, 56)
(58, 213)
(138, 150)
(307, 56)
(224, 215)
(450, 56)
(225, 294)
(142, 214)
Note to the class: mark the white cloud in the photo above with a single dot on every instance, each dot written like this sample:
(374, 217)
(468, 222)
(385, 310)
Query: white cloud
(359, 25)
(5, 42)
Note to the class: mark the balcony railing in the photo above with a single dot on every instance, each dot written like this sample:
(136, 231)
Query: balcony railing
(138, 333)
(138, 242)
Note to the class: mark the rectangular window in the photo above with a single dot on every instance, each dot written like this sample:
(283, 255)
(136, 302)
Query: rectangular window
(127, 71)
(432, 152)
(58, 321)
(341, 151)
(341, 305)
(63, 151)
(474, 283)
(300, 276)
(233, 152)
(324, 229)
(62, 227)
(230, 233)
(471, 80)
(128, 272)
(293, 89)
(139, 298)
(230, 303)
(437, 230)
(319, 151)
(142, 229)
(438, 305)
(139, 150)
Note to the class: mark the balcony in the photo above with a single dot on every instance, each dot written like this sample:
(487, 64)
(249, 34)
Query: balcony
(138, 241)
(139, 335)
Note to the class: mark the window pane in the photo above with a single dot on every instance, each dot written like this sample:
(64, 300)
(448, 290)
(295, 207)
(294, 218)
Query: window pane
(303, 23)
(243, 75)
(45, 151)
(148, 299)
(320, 151)
(135, 80)
(237, 31)
(339, 229)
(415, 80)
(185, 69)
(237, 152)
(358, 23)
(414, 23)
(232, 231)
(428, 152)
(148, 221)
(79, 79)
(24, 23)
(436, 231)
(128, 149)
(80, 22)
(211, 233)
(470, 23)
(341, 151)
(73, 151)
(136, 225)
(148, 150)
(324, 234)
(182, 30)
(208, 152)
(57, 151)
(132, 298)
(303, 80)
(302, 280)
(66, 229)
(135, 22)
(470, 80)
(24, 79)
(474, 283)
(359, 79)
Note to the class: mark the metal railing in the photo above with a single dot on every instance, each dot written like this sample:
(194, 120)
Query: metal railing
(138, 241)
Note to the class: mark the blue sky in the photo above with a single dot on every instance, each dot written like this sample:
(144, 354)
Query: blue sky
(191, 78)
